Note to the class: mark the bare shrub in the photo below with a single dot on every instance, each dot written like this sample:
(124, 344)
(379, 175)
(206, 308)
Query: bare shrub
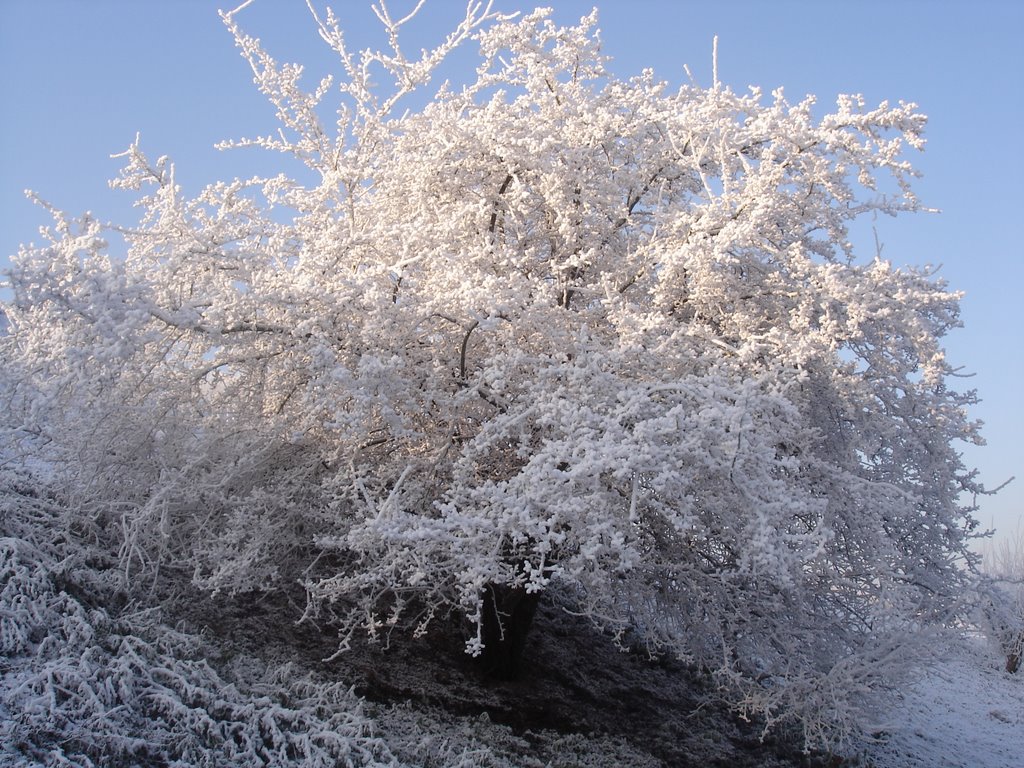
(1003, 565)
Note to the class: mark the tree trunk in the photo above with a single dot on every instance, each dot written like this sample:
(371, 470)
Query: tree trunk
(1013, 655)
(506, 620)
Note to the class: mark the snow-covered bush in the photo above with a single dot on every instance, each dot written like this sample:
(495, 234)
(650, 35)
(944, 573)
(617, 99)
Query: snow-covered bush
(1002, 599)
(79, 687)
(551, 330)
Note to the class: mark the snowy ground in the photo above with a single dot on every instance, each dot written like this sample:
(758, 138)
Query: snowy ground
(85, 681)
(969, 713)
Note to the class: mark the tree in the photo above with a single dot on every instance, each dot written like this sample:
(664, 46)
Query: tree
(1001, 598)
(551, 331)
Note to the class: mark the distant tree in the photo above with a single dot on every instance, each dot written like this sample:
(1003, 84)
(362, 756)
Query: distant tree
(551, 331)
(1002, 596)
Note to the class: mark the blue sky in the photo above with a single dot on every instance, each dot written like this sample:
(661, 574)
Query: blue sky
(79, 78)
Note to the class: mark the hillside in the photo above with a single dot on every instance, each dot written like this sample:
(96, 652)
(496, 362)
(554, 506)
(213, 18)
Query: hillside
(95, 675)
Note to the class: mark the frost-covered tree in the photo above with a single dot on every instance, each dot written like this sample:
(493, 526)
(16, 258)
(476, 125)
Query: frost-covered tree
(1001, 597)
(551, 331)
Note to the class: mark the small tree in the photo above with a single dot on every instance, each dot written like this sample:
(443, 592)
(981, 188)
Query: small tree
(1002, 596)
(552, 330)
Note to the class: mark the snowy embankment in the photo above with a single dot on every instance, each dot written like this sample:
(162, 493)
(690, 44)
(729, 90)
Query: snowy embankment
(87, 680)
(968, 712)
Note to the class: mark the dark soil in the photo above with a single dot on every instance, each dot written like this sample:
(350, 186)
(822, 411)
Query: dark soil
(572, 679)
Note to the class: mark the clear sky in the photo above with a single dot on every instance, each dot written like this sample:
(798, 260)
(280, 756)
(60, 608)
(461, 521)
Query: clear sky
(79, 78)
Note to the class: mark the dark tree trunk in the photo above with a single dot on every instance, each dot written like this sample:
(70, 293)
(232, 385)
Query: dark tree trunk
(507, 617)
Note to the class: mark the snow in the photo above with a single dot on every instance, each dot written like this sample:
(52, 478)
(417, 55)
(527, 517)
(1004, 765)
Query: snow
(139, 682)
(967, 713)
